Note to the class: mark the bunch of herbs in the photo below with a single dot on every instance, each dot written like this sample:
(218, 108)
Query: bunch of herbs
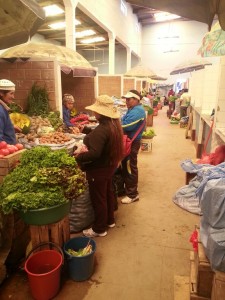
(44, 178)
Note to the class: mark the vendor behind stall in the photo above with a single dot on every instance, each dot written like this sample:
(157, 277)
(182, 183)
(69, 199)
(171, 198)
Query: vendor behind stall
(68, 106)
(7, 130)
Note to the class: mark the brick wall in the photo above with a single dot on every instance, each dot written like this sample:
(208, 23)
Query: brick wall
(128, 84)
(82, 89)
(110, 85)
(25, 74)
(139, 85)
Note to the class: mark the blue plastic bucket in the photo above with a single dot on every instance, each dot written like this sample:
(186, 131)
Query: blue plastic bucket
(80, 268)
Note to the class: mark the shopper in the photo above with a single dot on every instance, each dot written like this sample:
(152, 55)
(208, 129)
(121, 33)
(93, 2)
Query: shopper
(104, 153)
(68, 105)
(7, 130)
(131, 122)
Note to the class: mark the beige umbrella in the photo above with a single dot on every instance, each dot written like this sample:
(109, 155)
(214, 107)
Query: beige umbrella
(199, 10)
(158, 78)
(213, 43)
(140, 71)
(190, 66)
(19, 20)
(69, 59)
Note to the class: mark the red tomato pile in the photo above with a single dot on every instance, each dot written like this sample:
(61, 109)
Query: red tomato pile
(6, 149)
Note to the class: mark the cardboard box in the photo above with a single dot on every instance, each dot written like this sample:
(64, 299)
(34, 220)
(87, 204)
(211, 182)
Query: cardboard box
(146, 145)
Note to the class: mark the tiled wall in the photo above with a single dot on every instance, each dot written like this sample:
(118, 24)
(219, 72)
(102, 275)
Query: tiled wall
(25, 74)
(110, 85)
(82, 88)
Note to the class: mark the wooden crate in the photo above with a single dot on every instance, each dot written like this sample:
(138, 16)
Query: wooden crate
(218, 291)
(58, 233)
(7, 163)
(194, 294)
(204, 273)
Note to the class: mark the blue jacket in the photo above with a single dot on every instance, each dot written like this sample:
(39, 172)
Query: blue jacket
(66, 117)
(132, 120)
(7, 132)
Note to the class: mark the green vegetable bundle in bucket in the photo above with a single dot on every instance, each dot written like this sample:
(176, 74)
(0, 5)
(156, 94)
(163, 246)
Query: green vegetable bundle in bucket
(79, 252)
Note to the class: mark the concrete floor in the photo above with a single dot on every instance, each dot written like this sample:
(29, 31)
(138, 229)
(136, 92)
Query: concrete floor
(149, 246)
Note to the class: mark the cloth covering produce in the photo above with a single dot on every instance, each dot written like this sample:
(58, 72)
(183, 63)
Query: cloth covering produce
(205, 194)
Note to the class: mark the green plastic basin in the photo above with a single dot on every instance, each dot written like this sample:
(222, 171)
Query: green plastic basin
(44, 216)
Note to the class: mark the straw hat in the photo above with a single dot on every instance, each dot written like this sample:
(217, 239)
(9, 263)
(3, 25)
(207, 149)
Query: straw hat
(68, 98)
(104, 105)
(7, 85)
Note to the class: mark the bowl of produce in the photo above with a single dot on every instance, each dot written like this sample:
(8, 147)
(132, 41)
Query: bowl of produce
(44, 216)
(148, 134)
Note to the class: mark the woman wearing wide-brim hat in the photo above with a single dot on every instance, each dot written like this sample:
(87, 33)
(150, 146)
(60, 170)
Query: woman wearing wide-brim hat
(7, 130)
(105, 151)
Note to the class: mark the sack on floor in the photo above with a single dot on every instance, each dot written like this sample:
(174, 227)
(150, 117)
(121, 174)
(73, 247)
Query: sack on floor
(81, 212)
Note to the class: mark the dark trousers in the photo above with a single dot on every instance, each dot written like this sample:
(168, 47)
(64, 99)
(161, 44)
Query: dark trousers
(130, 170)
(102, 197)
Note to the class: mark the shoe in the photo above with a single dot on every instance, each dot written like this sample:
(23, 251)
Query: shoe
(90, 233)
(128, 200)
(112, 225)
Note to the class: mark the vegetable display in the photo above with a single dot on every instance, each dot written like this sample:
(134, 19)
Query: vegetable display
(43, 178)
(149, 133)
(21, 120)
(6, 149)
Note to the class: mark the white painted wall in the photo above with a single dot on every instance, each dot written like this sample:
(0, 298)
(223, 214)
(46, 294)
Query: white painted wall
(155, 45)
(107, 13)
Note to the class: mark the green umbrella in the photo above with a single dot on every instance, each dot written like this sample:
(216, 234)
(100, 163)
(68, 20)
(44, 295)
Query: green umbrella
(213, 43)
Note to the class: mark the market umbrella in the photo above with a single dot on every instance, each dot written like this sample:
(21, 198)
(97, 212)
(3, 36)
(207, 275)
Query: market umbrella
(199, 10)
(158, 78)
(68, 58)
(19, 20)
(140, 71)
(213, 43)
(190, 66)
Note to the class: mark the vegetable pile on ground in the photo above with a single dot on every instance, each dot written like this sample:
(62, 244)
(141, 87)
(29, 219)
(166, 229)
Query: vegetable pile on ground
(43, 178)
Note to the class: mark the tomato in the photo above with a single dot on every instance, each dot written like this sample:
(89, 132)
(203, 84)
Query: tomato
(4, 152)
(3, 145)
(19, 146)
(1, 156)
(11, 148)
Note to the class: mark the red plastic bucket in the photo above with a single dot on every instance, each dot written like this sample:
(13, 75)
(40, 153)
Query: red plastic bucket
(44, 269)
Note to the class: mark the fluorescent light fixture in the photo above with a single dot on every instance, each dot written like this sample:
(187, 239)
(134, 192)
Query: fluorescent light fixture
(165, 16)
(96, 39)
(53, 10)
(61, 25)
(84, 33)
(58, 25)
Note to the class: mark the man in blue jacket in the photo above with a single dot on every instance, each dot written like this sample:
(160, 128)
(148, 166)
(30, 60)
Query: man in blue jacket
(131, 122)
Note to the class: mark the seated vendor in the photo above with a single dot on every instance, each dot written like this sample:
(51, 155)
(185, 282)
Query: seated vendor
(68, 105)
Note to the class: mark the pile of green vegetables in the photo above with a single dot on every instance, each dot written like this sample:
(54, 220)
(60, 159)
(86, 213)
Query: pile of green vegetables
(149, 133)
(43, 178)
